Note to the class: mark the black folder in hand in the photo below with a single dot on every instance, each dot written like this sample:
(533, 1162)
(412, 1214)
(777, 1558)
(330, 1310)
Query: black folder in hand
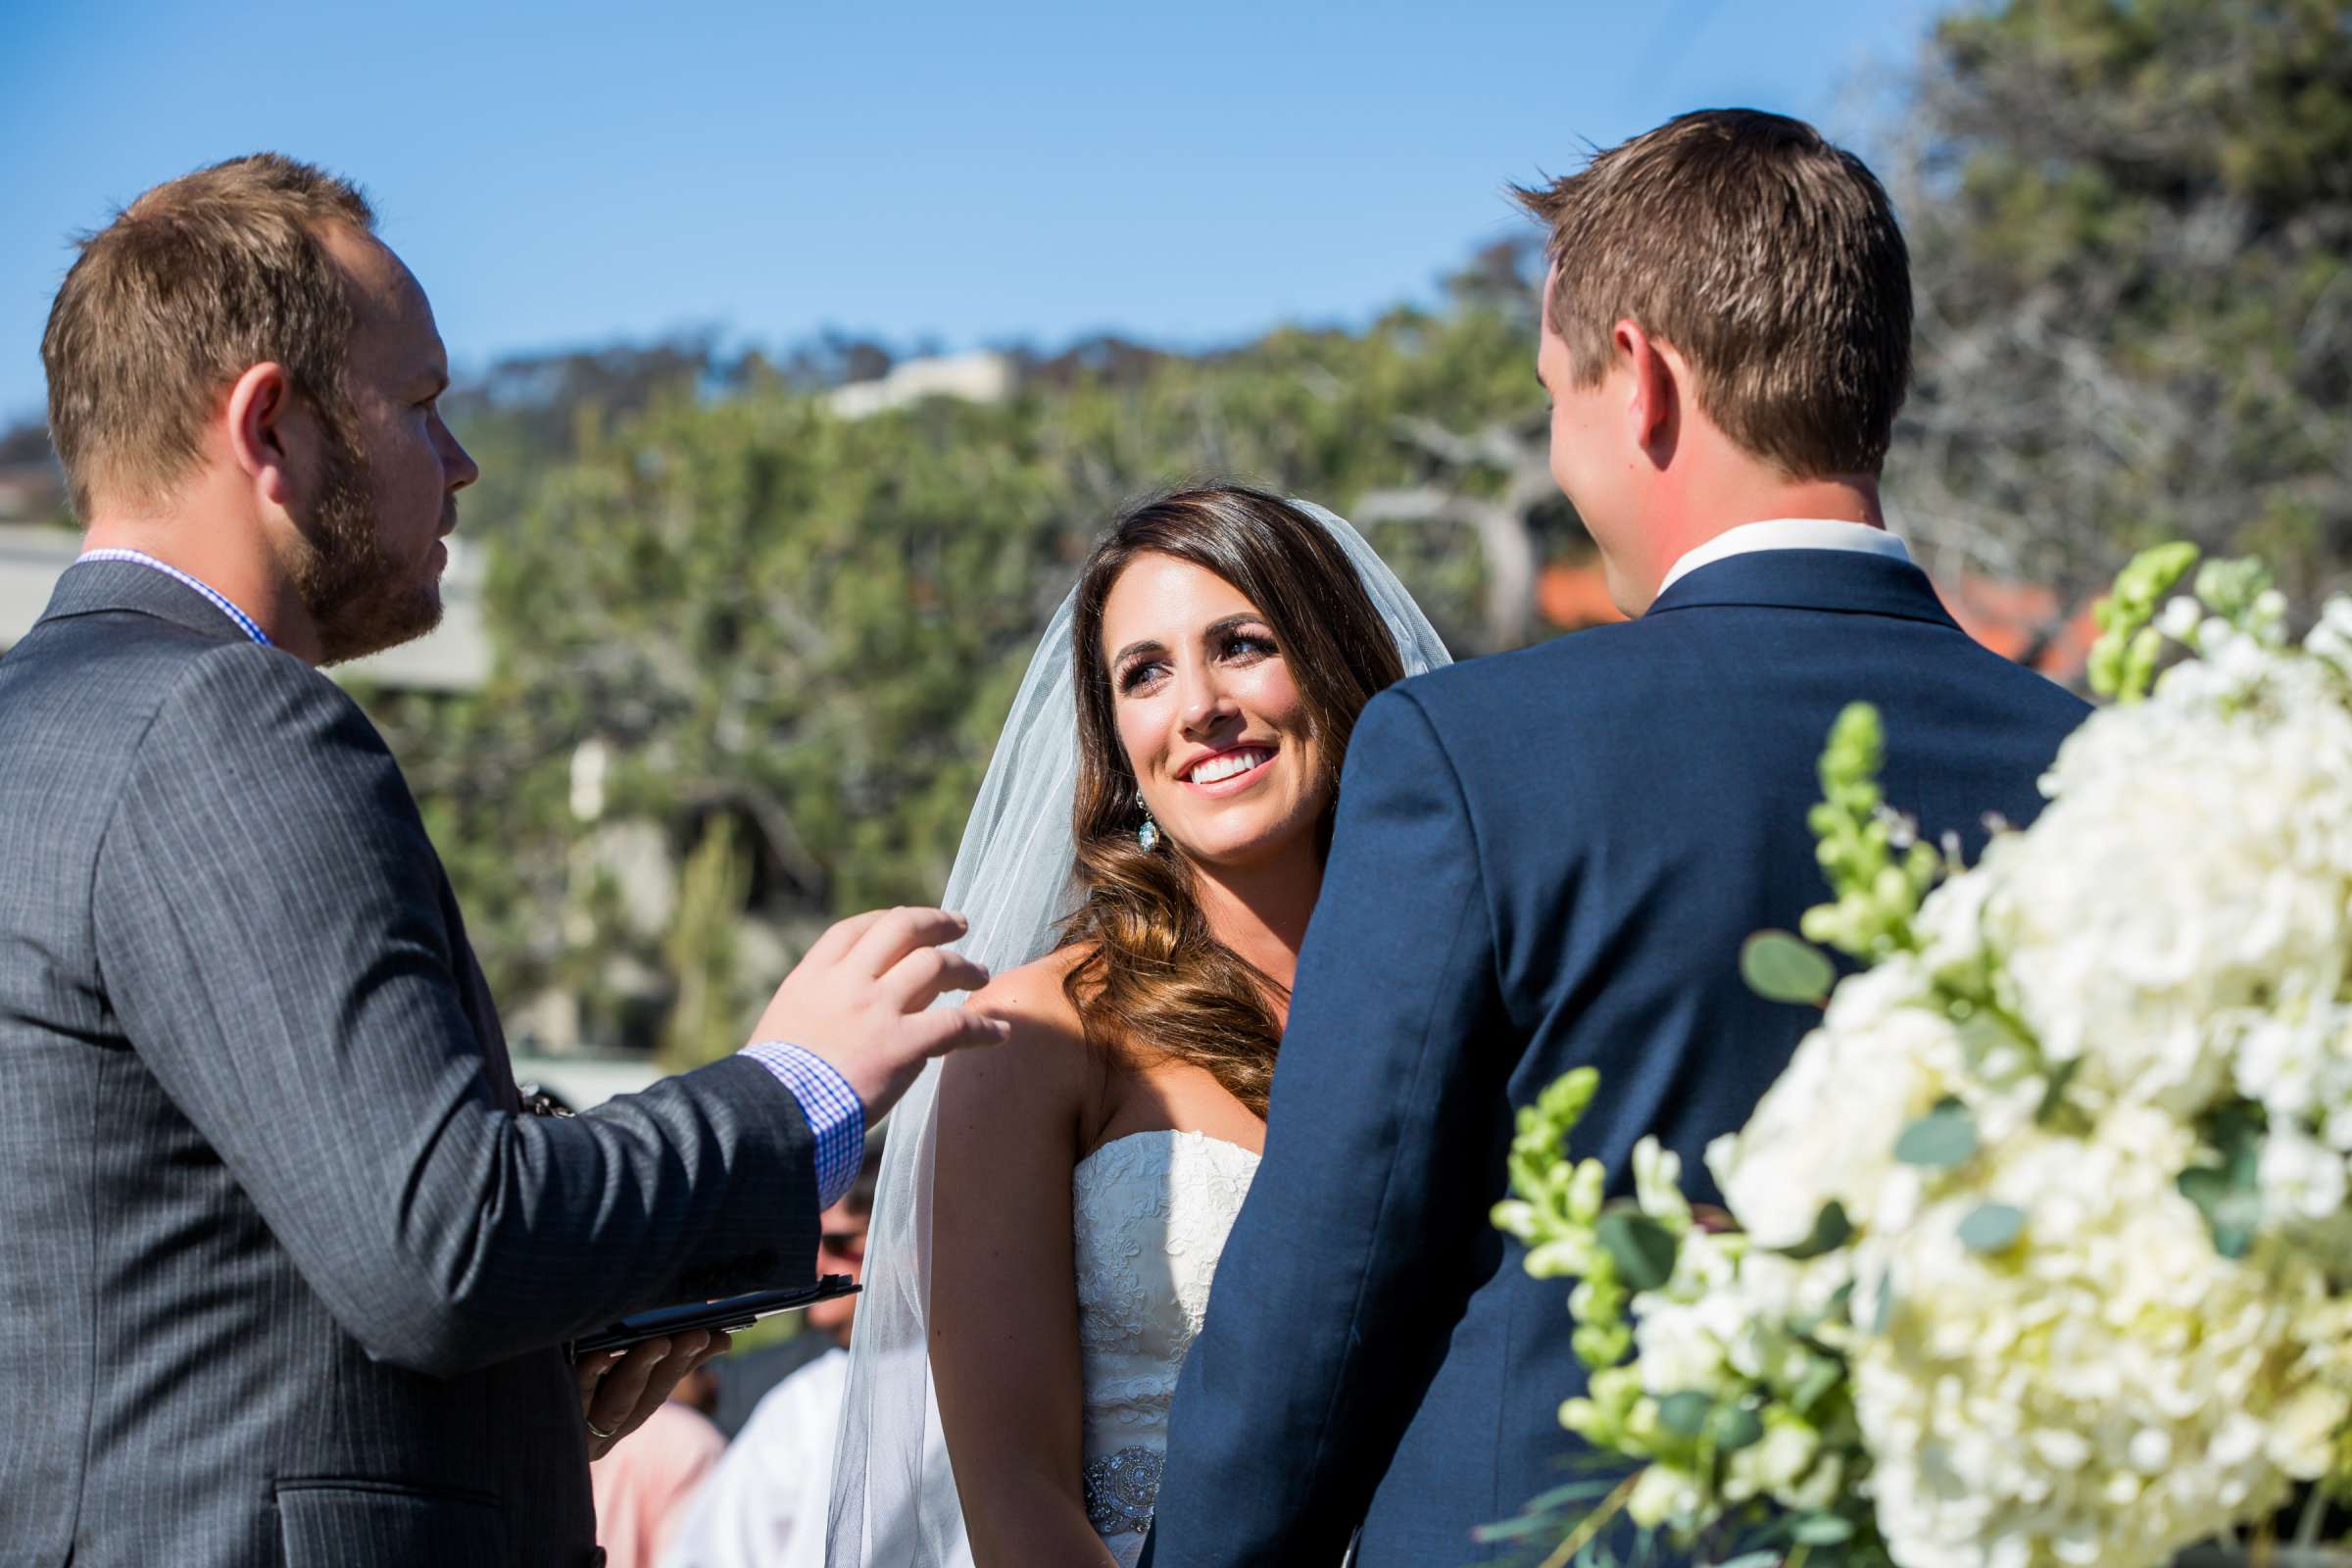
(724, 1315)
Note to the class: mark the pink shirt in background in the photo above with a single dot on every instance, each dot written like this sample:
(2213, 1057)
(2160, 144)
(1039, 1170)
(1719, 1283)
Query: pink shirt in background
(641, 1487)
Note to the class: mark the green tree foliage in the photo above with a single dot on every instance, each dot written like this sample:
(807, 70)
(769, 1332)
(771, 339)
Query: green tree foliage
(705, 1021)
(2131, 231)
(751, 611)
(717, 602)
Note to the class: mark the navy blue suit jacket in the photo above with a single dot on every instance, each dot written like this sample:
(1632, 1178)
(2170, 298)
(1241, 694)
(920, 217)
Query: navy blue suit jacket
(1543, 861)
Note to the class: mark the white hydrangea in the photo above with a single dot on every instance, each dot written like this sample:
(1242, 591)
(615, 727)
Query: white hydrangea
(2330, 636)
(2106, 1391)
(2189, 886)
(2093, 1380)
(1684, 1331)
(2302, 1180)
(1824, 1131)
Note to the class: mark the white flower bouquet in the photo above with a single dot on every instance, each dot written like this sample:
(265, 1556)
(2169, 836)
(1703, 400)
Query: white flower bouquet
(2039, 1251)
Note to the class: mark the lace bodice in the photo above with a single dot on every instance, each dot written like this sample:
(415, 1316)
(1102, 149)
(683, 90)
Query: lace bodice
(1150, 1212)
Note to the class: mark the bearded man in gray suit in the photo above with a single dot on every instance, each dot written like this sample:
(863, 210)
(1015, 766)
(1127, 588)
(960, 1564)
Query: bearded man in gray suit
(284, 1265)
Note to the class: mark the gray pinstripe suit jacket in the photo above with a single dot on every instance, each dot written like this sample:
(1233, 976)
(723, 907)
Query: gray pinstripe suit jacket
(281, 1269)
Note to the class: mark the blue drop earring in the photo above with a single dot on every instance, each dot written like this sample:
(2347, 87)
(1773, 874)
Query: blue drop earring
(1148, 835)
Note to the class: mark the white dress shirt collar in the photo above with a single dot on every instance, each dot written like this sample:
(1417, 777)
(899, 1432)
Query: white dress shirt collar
(1787, 533)
(219, 600)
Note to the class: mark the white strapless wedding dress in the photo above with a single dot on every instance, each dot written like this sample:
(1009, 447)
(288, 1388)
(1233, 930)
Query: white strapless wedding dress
(1150, 1212)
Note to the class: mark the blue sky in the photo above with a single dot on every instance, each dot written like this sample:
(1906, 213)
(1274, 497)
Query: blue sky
(1190, 173)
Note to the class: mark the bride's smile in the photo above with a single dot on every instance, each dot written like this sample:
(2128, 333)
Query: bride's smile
(1211, 715)
(1229, 773)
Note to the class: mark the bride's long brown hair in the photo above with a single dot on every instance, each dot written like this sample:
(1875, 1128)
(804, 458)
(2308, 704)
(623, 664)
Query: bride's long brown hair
(1153, 980)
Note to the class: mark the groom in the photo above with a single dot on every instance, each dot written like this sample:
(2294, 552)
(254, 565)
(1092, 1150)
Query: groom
(1548, 860)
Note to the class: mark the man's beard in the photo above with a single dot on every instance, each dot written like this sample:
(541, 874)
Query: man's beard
(360, 601)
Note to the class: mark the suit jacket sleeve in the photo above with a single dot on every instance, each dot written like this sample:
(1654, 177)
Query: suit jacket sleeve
(271, 935)
(1349, 1263)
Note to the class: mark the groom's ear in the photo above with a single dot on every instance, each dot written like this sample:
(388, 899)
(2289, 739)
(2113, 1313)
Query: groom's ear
(1654, 380)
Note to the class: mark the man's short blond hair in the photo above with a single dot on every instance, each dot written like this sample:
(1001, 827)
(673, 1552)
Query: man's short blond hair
(1768, 258)
(191, 285)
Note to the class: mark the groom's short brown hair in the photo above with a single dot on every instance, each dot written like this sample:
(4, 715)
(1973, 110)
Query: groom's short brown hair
(192, 285)
(1770, 259)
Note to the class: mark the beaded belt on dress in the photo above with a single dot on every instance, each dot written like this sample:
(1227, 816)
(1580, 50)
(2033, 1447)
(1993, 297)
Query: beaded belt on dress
(1121, 1489)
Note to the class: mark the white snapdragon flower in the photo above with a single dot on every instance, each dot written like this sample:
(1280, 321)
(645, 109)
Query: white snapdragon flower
(2179, 619)
(1667, 1498)
(1781, 1290)
(1658, 1185)
(1685, 1333)
(1778, 1464)
(1679, 1346)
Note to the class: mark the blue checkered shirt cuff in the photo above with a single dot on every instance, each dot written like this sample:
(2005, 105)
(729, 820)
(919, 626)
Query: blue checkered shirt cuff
(836, 1115)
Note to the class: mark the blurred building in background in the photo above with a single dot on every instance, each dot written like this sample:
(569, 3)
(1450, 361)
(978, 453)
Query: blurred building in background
(982, 377)
(31, 490)
(454, 658)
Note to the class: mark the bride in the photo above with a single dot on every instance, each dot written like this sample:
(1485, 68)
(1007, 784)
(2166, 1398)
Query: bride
(1139, 873)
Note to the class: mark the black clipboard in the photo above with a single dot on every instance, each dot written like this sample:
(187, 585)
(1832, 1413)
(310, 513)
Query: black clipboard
(724, 1315)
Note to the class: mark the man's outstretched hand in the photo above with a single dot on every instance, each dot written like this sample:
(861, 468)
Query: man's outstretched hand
(862, 1000)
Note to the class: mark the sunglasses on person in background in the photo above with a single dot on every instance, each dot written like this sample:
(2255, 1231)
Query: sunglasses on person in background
(843, 1244)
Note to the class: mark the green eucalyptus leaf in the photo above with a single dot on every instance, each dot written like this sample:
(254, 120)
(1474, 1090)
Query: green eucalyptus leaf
(1992, 1227)
(1684, 1413)
(1822, 1530)
(1941, 1139)
(1780, 968)
(1642, 1250)
(1831, 1231)
(1735, 1427)
(2233, 1212)
(1841, 1303)
(2230, 1194)
(1574, 1491)
(1818, 1379)
(1884, 1314)
(2054, 1108)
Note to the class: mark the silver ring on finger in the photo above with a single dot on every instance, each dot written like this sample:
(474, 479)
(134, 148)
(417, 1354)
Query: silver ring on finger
(601, 1433)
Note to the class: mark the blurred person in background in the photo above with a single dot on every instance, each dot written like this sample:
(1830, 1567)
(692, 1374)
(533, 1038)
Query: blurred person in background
(763, 1507)
(641, 1487)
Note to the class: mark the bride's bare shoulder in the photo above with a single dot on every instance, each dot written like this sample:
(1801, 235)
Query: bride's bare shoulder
(1048, 1055)
(1032, 997)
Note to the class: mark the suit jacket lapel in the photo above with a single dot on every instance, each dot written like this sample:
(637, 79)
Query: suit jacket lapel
(1837, 580)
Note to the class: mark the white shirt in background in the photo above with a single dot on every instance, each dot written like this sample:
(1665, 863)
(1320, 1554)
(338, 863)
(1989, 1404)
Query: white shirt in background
(764, 1504)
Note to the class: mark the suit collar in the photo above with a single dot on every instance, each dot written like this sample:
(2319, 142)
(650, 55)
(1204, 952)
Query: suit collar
(93, 587)
(1837, 580)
